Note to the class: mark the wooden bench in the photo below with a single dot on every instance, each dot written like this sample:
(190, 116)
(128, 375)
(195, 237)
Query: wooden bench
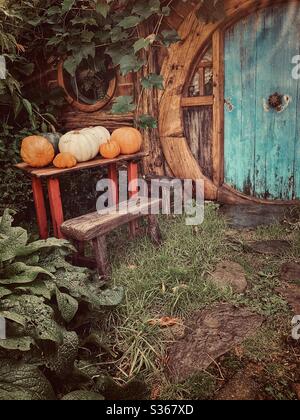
(94, 227)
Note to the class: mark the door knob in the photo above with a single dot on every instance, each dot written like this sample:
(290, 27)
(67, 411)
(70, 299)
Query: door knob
(277, 102)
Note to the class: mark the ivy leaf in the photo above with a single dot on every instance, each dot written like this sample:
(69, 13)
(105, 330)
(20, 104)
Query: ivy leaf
(28, 107)
(87, 36)
(71, 64)
(147, 121)
(166, 11)
(103, 8)
(67, 5)
(153, 81)
(170, 37)
(145, 10)
(141, 44)
(123, 105)
(129, 22)
(129, 63)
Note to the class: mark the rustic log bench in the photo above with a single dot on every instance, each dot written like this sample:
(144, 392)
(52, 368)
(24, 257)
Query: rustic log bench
(94, 227)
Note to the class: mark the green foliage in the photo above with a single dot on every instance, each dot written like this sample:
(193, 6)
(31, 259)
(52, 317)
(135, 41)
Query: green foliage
(40, 295)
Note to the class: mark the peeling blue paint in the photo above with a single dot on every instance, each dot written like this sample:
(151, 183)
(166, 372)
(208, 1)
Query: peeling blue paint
(262, 149)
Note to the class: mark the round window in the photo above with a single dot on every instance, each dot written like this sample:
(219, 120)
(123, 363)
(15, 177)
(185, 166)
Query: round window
(93, 85)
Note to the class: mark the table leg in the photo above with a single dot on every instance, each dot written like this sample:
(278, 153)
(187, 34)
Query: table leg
(113, 176)
(133, 175)
(40, 207)
(55, 206)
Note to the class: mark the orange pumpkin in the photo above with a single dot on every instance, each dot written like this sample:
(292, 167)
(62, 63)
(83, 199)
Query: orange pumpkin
(64, 161)
(37, 152)
(129, 139)
(110, 150)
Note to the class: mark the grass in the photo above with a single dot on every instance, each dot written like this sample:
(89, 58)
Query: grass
(173, 281)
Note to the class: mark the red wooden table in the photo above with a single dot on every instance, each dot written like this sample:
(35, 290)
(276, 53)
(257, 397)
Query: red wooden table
(52, 174)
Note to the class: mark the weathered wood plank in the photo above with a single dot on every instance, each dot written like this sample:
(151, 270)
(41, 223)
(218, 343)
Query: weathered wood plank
(218, 108)
(198, 131)
(89, 226)
(262, 148)
(52, 171)
(101, 255)
(176, 70)
(197, 101)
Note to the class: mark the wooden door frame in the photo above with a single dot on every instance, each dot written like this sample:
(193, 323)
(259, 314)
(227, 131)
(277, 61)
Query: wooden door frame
(177, 69)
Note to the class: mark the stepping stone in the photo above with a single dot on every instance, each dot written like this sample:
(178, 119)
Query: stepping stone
(209, 334)
(291, 293)
(269, 247)
(243, 216)
(290, 272)
(240, 388)
(230, 274)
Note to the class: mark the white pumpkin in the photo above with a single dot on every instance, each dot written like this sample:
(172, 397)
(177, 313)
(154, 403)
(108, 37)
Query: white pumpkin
(100, 133)
(83, 146)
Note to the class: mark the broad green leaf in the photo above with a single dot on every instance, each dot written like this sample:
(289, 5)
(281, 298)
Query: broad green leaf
(39, 316)
(25, 382)
(4, 292)
(141, 44)
(123, 105)
(44, 244)
(83, 396)
(18, 273)
(130, 22)
(67, 5)
(67, 305)
(6, 222)
(11, 316)
(62, 361)
(9, 245)
(153, 81)
(22, 344)
(39, 288)
(103, 8)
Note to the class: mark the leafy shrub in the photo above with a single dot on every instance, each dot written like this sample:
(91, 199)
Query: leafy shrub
(42, 297)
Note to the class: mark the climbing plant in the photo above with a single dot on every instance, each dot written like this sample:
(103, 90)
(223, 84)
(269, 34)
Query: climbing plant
(42, 32)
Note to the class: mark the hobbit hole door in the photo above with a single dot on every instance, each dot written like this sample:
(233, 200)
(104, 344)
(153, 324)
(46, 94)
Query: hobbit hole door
(262, 104)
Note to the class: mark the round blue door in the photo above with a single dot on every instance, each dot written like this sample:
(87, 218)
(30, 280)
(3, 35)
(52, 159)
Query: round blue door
(262, 104)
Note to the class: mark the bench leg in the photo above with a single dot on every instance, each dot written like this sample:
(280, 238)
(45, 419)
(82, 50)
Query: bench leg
(154, 230)
(133, 174)
(56, 206)
(101, 255)
(40, 207)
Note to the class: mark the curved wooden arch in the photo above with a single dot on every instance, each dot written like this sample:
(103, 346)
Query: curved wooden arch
(176, 71)
(78, 105)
